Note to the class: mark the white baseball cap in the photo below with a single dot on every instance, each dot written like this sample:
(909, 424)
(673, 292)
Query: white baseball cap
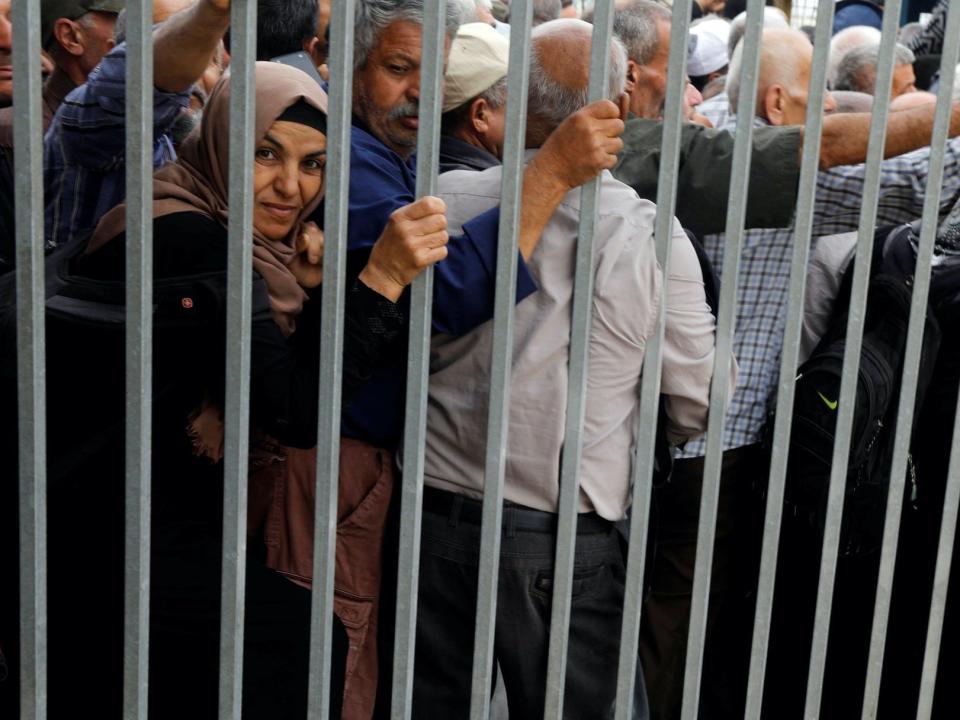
(709, 53)
(478, 59)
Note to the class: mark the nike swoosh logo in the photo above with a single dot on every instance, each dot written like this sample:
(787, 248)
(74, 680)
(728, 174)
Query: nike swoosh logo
(828, 403)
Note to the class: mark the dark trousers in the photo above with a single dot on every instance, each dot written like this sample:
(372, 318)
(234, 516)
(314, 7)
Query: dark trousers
(449, 557)
(666, 610)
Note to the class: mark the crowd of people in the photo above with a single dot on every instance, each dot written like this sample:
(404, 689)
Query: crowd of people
(392, 237)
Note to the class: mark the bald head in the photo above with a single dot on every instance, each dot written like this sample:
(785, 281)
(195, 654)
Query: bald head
(561, 47)
(560, 73)
(911, 100)
(784, 77)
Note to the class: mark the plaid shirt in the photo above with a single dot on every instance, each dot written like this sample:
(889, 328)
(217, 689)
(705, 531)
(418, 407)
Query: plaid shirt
(84, 171)
(765, 275)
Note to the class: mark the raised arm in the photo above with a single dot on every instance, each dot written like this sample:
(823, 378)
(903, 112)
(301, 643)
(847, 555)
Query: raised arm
(845, 135)
(184, 44)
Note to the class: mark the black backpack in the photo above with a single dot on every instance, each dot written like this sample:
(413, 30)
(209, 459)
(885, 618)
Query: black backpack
(877, 400)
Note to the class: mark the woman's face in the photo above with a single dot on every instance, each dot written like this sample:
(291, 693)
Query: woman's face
(288, 173)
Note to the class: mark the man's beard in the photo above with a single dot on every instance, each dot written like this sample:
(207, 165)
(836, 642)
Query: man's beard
(383, 123)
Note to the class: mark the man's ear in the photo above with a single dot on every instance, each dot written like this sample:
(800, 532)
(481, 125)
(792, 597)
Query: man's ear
(479, 115)
(633, 77)
(70, 36)
(774, 104)
(312, 48)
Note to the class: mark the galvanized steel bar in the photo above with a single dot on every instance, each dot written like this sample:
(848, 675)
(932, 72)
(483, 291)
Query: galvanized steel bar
(243, 33)
(643, 461)
(31, 361)
(418, 365)
(521, 12)
(576, 388)
(911, 366)
(331, 355)
(941, 578)
(139, 351)
(719, 385)
(851, 362)
(803, 230)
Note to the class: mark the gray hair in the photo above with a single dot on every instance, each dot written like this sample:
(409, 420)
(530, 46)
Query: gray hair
(858, 68)
(553, 102)
(638, 27)
(845, 41)
(772, 17)
(372, 17)
(545, 11)
(495, 95)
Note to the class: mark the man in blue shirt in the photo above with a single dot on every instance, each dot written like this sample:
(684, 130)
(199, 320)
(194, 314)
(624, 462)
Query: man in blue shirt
(386, 92)
(84, 149)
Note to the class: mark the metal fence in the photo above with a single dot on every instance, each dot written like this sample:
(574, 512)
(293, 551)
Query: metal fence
(30, 299)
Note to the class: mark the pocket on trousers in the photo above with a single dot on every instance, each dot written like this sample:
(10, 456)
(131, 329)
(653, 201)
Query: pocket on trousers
(586, 582)
(354, 613)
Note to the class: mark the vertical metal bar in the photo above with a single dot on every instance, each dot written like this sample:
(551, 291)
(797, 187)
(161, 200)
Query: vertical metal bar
(911, 367)
(31, 364)
(941, 580)
(851, 362)
(643, 460)
(803, 230)
(331, 356)
(139, 350)
(719, 386)
(501, 357)
(576, 387)
(418, 359)
(243, 37)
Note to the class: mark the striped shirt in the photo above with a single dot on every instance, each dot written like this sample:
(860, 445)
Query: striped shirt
(84, 151)
(765, 274)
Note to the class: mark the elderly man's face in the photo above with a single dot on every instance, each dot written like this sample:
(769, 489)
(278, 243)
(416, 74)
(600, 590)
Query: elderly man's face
(386, 89)
(904, 80)
(650, 86)
(6, 57)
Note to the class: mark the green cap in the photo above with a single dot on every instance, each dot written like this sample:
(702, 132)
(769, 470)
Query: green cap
(53, 10)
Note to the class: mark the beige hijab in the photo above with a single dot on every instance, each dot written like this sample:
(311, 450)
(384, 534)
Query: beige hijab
(199, 180)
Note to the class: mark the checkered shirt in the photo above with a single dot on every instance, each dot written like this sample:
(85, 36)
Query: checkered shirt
(765, 275)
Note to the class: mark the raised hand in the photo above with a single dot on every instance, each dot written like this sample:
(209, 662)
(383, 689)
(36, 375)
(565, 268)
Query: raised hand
(584, 144)
(414, 239)
(307, 266)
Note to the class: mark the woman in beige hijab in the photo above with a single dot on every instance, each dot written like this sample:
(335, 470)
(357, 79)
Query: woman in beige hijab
(191, 239)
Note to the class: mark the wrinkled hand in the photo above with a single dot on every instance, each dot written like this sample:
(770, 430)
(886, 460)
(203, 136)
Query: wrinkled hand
(414, 239)
(307, 266)
(585, 144)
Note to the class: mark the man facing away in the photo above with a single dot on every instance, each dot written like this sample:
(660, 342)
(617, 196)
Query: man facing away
(628, 293)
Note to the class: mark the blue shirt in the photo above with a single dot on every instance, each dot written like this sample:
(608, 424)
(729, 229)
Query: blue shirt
(84, 151)
(463, 284)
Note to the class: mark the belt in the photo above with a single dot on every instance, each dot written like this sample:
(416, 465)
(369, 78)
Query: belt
(460, 508)
(732, 457)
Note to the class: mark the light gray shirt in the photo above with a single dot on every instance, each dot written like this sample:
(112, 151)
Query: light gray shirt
(626, 299)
